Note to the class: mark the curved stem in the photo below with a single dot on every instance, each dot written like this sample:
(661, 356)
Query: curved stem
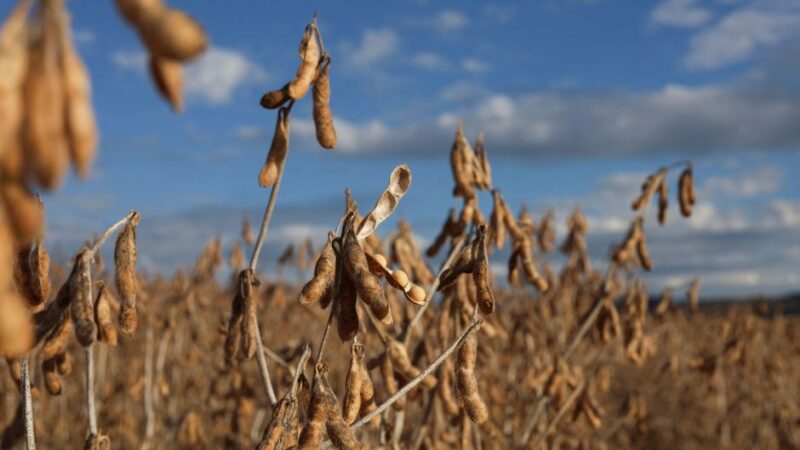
(472, 327)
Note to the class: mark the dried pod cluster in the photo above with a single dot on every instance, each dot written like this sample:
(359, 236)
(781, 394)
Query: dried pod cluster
(313, 70)
(171, 38)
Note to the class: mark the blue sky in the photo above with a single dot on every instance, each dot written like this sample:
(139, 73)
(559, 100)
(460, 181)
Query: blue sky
(579, 99)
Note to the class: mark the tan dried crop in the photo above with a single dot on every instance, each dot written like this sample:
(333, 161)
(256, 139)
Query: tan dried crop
(81, 127)
(167, 32)
(167, 76)
(321, 285)
(467, 383)
(480, 275)
(277, 150)
(81, 307)
(310, 57)
(686, 194)
(106, 331)
(125, 275)
(323, 117)
(367, 285)
(319, 409)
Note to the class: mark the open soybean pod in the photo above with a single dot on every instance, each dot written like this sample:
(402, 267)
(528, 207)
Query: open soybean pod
(309, 55)
(399, 183)
(125, 275)
(398, 279)
(277, 150)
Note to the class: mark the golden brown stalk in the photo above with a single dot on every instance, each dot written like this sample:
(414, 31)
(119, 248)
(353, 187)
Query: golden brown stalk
(323, 117)
(102, 314)
(81, 308)
(353, 384)
(44, 133)
(480, 275)
(464, 263)
(686, 196)
(80, 121)
(545, 234)
(275, 99)
(247, 233)
(321, 285)
(309, 54)
(467, 383)
(167, 75)
(483, 162)
(125, 275)
(277, 150)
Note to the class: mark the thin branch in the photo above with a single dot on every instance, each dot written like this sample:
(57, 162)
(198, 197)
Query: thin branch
(448, 262)
(262, 235)
(473, 325)
(299, 370)
(91, 409)
(148, 392)
(25, 389)
(95, 247)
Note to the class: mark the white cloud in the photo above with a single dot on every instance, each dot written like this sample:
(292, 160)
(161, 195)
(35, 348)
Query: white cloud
(449, 20)
(474, 65)
(545, 123)
(740, 34)
(680, 13)
(429, 61)
(213, 77)
(765, 180)
(130, 60)
(375, 46)
(218, 72)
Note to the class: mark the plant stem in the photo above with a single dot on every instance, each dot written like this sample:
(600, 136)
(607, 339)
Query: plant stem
(552, 426)
(262, 235)
(107, 234)
(448, 262)
(91, 410)
(473, 325)
(25, 389)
